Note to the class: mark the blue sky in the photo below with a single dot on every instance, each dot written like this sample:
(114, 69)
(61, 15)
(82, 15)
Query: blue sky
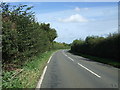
(74, 20)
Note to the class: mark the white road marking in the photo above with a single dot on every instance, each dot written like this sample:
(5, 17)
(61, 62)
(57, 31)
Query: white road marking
(43, 74)
(65, 55)
(41, 78)
(83, 66)
(89, 70)
(68, 57)
(49, 59)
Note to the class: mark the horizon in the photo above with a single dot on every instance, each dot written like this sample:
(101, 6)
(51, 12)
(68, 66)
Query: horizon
(71, 18)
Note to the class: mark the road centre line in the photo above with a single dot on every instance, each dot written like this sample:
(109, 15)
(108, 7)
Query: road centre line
(68, 57)
(89, 70)
(71, 59)
(84, 67)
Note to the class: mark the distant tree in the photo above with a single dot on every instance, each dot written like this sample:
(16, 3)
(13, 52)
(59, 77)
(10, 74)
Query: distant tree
(98, 46)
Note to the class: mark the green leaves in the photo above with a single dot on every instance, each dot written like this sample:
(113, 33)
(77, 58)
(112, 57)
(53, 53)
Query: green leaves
(98, 46)
(22, 36)
(29, 8)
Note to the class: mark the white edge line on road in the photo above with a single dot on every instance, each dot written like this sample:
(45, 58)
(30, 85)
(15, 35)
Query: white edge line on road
(89, 70)
(41, 78)
(43, 74)
(49, 59)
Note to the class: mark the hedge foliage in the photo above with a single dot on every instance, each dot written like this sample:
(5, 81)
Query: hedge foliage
(98, 46)
(22, 36)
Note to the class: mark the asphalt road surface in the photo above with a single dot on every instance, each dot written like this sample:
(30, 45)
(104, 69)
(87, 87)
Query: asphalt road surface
(66, 70)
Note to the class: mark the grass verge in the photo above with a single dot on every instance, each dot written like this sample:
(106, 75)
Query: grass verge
(98, 59)
(29, 75)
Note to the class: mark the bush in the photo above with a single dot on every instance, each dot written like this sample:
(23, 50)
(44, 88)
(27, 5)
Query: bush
(23, 37)
(98, 46)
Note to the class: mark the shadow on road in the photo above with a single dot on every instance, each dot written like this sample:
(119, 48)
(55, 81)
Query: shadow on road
(97, 60)
(79, 56)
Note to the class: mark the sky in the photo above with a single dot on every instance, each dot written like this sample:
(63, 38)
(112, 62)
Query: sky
(60, 0)
(75, 20)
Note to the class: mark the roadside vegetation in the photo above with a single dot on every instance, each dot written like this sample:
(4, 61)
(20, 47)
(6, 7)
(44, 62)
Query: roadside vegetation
(102, 49)
(27, 45)
(29, 74)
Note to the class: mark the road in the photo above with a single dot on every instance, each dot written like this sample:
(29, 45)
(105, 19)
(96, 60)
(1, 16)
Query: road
(66, 70)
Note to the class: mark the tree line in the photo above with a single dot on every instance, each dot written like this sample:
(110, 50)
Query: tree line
(105, 47)
(22, 36)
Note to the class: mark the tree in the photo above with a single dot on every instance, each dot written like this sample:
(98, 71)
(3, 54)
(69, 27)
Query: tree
(23, 37)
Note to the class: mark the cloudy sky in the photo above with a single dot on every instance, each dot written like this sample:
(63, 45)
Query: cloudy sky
(60, 0)
(74, 20)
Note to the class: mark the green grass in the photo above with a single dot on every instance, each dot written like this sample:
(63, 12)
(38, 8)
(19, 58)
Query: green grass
(101, 60)
(30, 75)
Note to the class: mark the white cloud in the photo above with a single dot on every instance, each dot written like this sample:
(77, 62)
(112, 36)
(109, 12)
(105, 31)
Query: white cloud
(86, 8)
(74, 18)
(77, 9)
(98, 23)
